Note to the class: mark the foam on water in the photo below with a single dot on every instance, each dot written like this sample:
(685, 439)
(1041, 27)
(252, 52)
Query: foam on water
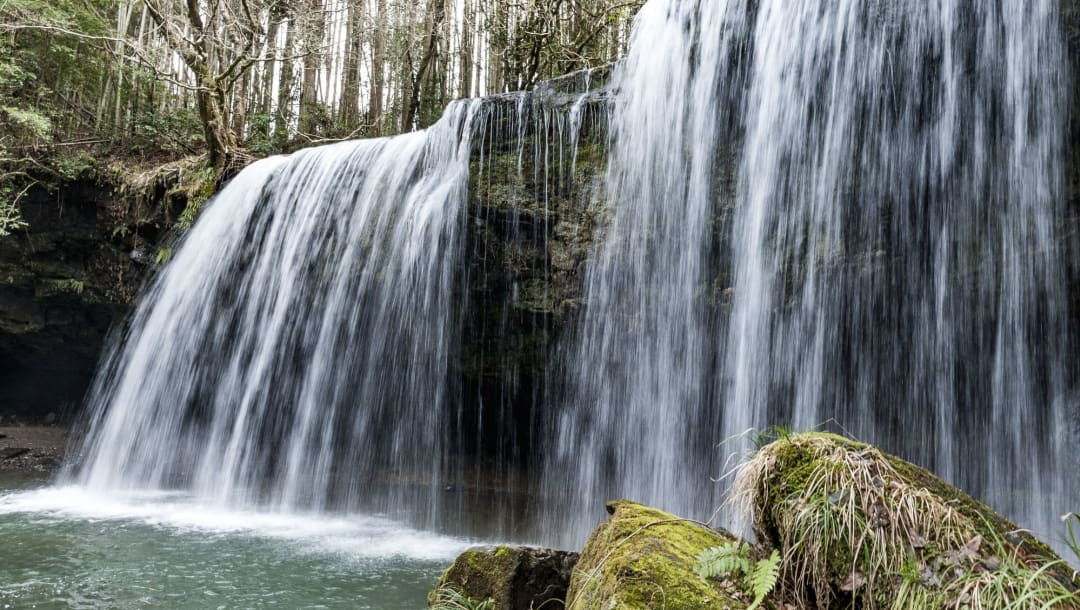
(352, 537)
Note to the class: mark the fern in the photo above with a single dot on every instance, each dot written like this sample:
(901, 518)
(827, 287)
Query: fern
(725, 559)
(762, 580)
(759, 577)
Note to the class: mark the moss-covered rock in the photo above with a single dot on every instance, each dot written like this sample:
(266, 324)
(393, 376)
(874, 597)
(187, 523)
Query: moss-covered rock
(514, 577)
(642, 558)
(858, 528)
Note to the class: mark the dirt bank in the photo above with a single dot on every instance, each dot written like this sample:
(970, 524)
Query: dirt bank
(29, 453)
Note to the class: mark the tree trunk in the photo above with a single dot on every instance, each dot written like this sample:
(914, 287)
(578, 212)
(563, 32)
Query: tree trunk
(465, 53)
(309, 94)
(241, 95)
(498, 39)
(284, 105)
(349, 103)
(378, 69)
(266, 100)
(410, 104)
(220, 140)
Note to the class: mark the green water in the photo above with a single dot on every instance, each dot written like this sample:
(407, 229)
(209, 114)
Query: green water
(67, 548)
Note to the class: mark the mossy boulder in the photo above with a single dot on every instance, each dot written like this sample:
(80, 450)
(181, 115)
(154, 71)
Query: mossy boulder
(858, 528)
(514, 577)
(642, 558)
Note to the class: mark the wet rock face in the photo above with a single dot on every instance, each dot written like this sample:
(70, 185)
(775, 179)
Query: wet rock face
(515, 578)
(64, 280)
(535, 208)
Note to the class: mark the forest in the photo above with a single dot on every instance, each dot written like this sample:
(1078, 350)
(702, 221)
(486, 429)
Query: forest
(233, 80)
(521, 304)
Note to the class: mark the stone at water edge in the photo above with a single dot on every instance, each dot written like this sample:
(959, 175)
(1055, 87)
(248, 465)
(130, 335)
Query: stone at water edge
(642, 558)
(516, 577)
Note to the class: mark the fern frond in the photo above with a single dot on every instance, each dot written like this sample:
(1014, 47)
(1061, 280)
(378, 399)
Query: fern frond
(763, 579)
(722, 560)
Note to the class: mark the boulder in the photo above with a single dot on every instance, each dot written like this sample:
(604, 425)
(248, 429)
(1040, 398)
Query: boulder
(858, 528)
(642, 558)
(514, 577)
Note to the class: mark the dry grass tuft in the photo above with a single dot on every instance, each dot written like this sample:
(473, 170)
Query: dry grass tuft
(855, 525)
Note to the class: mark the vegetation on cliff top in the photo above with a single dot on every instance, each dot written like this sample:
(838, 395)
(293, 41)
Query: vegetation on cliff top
(84, 80)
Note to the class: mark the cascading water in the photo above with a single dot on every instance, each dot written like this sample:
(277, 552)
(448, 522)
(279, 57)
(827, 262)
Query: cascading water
(829, 212)
(303, 328)
(902, 182)
(635, 422)
(303, 350)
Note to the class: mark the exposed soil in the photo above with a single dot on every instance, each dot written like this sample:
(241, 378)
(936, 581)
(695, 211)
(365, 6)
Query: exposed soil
(30, 452)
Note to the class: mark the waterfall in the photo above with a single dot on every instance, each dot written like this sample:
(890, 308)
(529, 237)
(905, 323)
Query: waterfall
(297, 346)
(830, 214)
(303, 350)
(838, 214)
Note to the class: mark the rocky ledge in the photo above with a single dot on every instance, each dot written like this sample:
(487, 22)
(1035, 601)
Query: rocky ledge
(838, 524)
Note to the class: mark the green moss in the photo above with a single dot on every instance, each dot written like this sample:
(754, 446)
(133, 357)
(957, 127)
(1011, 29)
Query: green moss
(198, 187)
(643, 558)
(478, 572)
(858, 526)
(509, 577)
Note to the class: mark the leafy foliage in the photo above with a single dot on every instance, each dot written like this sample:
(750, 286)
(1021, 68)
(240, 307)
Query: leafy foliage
(163, 255)
(733, 558)
(199, 187)
(30, 122)
(10, 220)
(47, 80)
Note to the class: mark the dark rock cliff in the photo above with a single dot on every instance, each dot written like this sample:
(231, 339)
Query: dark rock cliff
(535, 206)
(65, 280)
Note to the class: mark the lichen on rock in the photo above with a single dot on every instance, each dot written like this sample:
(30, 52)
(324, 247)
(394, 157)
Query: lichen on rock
(643, 558)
